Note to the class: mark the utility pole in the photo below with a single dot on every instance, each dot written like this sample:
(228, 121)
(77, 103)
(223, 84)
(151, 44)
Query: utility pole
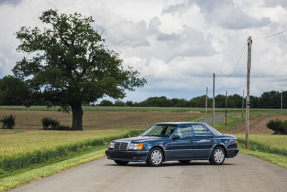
(225, 117)
(281, 101)
(242, 104)
(206, 99)
(213, 101)
(248, 92)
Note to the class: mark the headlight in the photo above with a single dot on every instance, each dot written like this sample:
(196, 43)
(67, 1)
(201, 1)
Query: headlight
(135, 146)
(111, 144)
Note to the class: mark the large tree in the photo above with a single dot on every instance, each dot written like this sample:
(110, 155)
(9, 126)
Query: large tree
(71, 64)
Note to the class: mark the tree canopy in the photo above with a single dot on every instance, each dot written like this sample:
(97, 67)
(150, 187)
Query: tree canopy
(70, 63)
(14, 91)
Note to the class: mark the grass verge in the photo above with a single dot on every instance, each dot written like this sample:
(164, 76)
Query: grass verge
(277, 159)
(20, 177)
(272, 148)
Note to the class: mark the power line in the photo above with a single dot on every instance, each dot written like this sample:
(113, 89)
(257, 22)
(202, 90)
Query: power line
(236, 63)
(272, 31)
(268, 36)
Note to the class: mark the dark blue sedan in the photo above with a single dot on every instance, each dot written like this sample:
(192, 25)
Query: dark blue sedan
(174, 141)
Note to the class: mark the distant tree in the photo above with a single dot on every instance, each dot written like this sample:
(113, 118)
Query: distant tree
(234, 101)
(106, 103)
(14, 91)
(120, 103)
(129, 103)
(179, 102)
(270, 99)
(70, 64)
(255, 102)
(220, 101)
(156, 102)
(198, 101)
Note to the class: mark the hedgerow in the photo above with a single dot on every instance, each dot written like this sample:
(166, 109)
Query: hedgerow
(23, 160)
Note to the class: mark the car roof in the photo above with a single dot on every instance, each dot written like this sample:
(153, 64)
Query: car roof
(180, 123)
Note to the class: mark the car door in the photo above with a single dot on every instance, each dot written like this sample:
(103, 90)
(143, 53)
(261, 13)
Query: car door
(183, 147)
(204, 141)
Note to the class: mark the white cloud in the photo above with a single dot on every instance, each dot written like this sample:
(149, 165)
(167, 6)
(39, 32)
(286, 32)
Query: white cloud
(176, 45)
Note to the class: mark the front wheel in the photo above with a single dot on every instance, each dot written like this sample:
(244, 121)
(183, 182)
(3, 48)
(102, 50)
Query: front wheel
(121, 162)
(217, 156)
(155, 157)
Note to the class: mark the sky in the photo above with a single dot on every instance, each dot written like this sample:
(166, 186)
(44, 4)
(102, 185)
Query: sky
(175, 45)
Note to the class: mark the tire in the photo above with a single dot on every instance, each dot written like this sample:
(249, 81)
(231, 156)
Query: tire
(121, 162)
(155, 157)
(184, 162)
(217, 156)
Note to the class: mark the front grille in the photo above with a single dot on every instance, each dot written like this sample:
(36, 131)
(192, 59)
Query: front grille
(121, 146)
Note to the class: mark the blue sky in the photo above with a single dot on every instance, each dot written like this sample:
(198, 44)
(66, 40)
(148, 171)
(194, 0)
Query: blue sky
(175, 45)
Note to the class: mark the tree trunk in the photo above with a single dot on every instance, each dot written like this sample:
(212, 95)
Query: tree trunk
(77, 111)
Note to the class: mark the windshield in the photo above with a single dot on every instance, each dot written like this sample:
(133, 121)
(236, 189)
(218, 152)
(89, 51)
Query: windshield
(160, 130)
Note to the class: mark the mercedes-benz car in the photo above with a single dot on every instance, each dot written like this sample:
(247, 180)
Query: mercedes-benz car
(174, 141)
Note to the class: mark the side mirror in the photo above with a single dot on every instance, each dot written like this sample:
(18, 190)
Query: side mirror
(175, 137)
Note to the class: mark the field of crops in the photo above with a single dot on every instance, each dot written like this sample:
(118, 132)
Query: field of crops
(266, 143)
(28, 144)
(99, 120)
(143, 109)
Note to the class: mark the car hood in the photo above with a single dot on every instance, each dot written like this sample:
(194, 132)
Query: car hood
(140, 139)
(229, 136)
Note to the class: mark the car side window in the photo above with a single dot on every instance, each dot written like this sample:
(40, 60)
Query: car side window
(184, 131)
(201, 131)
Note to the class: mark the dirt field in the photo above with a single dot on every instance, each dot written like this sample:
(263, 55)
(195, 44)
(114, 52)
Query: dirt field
(257, 125)
(98, 119)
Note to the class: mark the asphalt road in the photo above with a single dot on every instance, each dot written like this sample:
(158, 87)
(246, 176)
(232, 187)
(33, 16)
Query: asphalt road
(242, 173)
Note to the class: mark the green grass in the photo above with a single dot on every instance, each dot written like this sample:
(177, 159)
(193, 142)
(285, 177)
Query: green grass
(22, 141)
(24, 176)
(276, 144)
(277, 159)
(30, 156)
(272, 148)
(232, 121)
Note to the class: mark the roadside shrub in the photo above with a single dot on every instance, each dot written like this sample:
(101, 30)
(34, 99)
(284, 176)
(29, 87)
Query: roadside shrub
(8, 122)
(278, 126)
(50, 124)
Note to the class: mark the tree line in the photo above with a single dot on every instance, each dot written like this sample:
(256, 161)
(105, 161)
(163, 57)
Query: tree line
(271, 99)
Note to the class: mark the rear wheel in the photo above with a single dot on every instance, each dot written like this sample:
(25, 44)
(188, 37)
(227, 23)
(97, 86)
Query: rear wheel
(217, 156)
(155, 157)
(121, 162)
(184, 162)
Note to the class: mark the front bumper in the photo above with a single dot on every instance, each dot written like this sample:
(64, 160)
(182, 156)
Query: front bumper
(230, 153)
(127, 155)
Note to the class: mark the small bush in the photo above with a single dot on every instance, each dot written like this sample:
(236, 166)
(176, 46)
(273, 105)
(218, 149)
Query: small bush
(50, 124)
(53, 124)
(278, 126)
(64, 128)
(8, 122)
